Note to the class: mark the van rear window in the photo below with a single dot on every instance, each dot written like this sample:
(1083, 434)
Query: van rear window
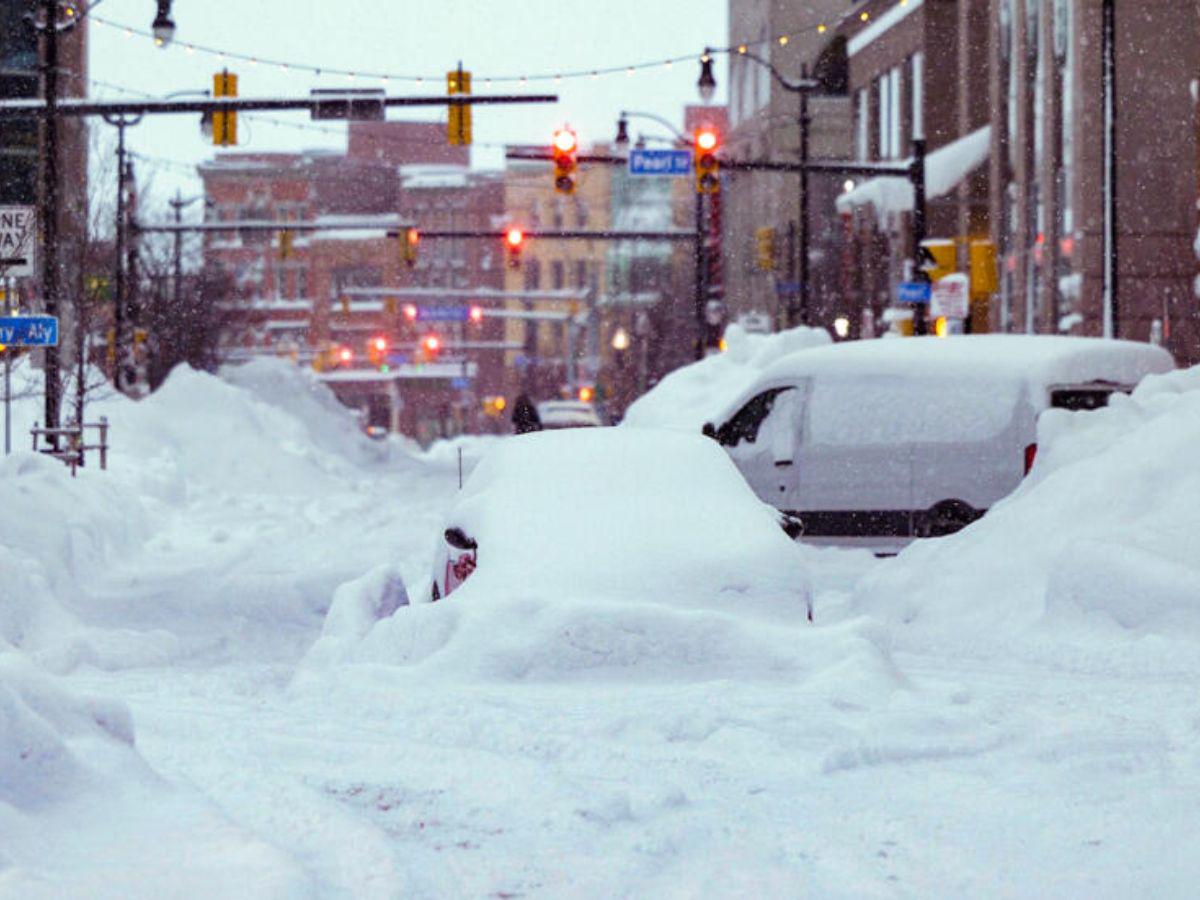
(1081, 398)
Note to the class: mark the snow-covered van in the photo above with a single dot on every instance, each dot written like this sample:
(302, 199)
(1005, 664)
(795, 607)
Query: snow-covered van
(876, 442)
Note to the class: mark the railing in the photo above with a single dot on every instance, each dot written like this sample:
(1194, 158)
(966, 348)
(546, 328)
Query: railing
(67, 443)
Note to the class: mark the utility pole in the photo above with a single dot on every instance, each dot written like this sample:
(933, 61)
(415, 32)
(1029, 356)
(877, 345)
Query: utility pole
(920, 322)
(805, 122)
(50, 199)
(177, 206)
(700, 285)
(1112, 304)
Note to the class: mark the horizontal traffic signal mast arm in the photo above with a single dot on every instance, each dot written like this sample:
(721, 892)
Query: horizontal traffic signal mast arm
(36, 109)
(478, 293)
(832, 166)
(237, 225)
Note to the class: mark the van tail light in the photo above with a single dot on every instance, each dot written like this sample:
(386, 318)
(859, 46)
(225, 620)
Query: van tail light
(1030, 455)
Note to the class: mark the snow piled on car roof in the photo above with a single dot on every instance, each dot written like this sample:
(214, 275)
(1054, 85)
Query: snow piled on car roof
(1092, 561)
(688, 397)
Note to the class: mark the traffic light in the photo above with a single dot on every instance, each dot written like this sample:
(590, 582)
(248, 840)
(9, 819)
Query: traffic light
(286, 243)
(377, 348)
(564, 146)
(475, 315)
(587, 394)
(458, 120)
(765, 239)
(410, 241)
(410, 312)
(224, 124)
(431, 346)
(344, 356)
(514, 241)
(706, 142)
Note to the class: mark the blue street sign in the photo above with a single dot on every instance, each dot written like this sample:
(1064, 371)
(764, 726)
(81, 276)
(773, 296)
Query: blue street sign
(29, 331)
(660, 162)
(787, 288)
(443, 313)
(460, 384)
(914, 292)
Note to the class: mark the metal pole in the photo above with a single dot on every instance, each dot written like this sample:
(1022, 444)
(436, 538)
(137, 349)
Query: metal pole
(1112, 306)
(699, 276)
(920, 326)
(50, 284)
(803, 223)
(119, 273)
(7, 401)
(177, 205)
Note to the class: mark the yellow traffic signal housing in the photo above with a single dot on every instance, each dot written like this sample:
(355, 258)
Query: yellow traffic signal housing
(563, 146)
(704, 159)
(286, 243)
(765, 239)
(984, 279)
(939, 258)
(410, 242)
(224, 124)
(458, 120)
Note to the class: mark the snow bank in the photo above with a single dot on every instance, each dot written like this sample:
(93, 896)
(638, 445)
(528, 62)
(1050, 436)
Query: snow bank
(694, 394)
(1099, 542)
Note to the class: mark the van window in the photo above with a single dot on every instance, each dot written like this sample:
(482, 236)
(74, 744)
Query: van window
(877, 410)
(1084, 397)
(745, 423)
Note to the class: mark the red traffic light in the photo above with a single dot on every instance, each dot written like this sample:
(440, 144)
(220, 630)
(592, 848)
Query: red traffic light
(379, 344)
(410, 312)
(413, 236)
(432, 343)
(706, 139)
(565, 141)
(345, 355)
(514, 237)
(475, 314)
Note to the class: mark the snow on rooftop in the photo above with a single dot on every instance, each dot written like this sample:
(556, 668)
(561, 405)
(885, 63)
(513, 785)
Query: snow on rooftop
(945, 168)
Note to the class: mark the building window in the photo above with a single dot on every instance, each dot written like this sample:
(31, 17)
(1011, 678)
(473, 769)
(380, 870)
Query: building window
(558, 214)
(895, 95)
(918, 95)
(557, 275)
(581, 268)
(302, 284)
(863, 131)
(533, 275)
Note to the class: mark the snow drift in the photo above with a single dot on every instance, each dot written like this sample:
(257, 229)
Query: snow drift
(688, 397)
(1099, 540)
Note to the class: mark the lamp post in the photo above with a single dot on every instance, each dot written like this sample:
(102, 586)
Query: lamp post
(707, 84)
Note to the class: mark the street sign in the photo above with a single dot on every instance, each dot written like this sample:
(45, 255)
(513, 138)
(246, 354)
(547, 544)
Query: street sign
(443, 313)
(951, 297)
(29, 331)
(18, 238)
(913, 292)
(660, 162)
(361, 104)
(787, 288)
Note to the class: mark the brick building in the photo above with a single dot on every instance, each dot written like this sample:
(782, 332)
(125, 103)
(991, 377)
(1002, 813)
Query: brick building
(346, 283)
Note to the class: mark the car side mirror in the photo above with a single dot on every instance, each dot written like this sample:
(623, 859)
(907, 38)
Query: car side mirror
(709, 430)
(458, 539)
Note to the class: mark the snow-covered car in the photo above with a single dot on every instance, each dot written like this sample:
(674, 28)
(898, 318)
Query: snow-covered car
(879, 442)
(625, 514)
(554, 414)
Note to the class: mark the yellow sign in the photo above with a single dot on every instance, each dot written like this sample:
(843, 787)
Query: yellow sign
(765, 239)
(458, 122)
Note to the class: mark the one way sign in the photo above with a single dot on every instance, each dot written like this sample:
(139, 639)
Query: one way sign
(18, 237)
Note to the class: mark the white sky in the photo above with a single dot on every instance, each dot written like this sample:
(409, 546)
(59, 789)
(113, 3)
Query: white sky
(491, 37)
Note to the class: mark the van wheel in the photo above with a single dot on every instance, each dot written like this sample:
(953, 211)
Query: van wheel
(945, 518)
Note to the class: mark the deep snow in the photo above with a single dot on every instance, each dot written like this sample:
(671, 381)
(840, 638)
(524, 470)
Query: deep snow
(209, 686)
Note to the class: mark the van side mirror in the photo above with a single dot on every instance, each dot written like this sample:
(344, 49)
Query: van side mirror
(458, 539)
(709, 430)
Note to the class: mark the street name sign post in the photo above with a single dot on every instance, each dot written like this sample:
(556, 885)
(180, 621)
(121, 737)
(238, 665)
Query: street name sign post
(660, 162)
(22, 331)
(18, 238)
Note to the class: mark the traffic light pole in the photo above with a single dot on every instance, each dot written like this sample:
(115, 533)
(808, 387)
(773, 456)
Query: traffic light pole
(48, 28)
(701, 287)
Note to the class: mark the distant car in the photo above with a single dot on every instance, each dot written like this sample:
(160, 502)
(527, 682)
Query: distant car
(878, 442)
(555, 414)
(627, 514)
(376, 432)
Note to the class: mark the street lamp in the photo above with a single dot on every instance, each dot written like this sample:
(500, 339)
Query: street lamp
(164, 25)
(802, 87)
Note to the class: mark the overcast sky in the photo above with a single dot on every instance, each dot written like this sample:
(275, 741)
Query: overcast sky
(492, 38)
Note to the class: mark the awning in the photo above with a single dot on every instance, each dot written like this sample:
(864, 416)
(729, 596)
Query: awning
(945, 168)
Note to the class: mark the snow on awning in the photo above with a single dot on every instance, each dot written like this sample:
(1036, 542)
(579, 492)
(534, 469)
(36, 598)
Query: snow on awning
(945, 168)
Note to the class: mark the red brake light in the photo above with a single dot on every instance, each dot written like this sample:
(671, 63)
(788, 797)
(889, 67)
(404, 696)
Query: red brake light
(1030, 454)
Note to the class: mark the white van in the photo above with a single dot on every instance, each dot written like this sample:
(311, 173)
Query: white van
(877, 442)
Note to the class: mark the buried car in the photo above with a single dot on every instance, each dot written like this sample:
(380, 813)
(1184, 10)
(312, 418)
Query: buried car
(622, 514)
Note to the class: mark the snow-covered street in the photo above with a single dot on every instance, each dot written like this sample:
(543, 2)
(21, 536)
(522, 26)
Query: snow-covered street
(511, 749)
